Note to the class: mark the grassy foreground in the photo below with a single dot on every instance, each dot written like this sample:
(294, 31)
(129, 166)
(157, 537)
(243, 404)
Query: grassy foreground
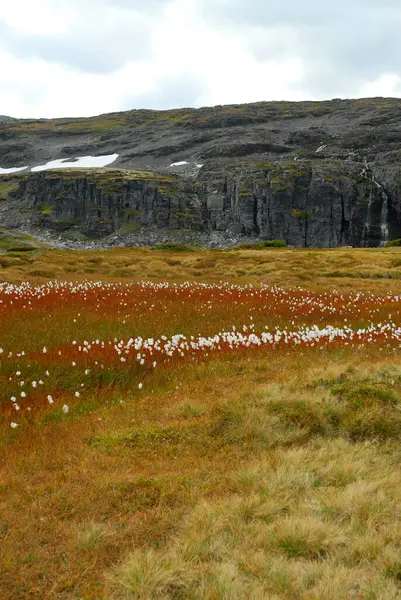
(207, 466)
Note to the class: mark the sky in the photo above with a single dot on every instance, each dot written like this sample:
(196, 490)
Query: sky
(61, 58)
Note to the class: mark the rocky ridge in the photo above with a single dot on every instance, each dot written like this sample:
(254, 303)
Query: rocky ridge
(312, 174)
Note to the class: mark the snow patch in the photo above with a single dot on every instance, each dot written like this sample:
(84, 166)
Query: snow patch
(199, 166)
(12, 170)
(321, 148)
(87, 162)
(179, 164)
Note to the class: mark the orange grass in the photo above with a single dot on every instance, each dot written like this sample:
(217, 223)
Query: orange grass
(116, 497)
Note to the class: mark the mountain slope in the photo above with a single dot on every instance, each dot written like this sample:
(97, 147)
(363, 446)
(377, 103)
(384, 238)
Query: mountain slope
(311, 173)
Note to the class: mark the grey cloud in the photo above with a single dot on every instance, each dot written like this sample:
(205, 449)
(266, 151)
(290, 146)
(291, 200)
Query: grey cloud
(106, 36)
(171, 92)
(148, 6)
(343, 44)
(294, 12)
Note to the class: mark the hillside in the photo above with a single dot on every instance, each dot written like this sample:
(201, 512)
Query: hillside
(314, 174)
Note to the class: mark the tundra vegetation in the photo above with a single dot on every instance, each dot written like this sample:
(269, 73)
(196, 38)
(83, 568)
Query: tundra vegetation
(204, 424)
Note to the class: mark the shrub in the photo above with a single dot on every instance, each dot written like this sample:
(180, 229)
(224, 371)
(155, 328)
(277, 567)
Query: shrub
(20, 248)
(393, 243)
(272, 244)
(172, 247)
(261, 245)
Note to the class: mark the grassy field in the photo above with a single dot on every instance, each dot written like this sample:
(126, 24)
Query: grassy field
(207, 425)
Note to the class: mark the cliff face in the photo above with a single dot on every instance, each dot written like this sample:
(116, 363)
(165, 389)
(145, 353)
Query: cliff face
(103, 202)
(311, 174)
(312, 205)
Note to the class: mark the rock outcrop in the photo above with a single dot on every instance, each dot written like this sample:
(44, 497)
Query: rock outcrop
(311, 174)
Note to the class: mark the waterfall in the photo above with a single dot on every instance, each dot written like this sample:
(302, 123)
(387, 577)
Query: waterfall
(367, 174)
(383, 216)
(384, 229)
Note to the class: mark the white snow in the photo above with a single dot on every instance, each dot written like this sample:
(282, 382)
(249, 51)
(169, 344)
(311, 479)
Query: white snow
(81, 161)
(199, 166)
(179, 164)
(13, 170)
(321, 148)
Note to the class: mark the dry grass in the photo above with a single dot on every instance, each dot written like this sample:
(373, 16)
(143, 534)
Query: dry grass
(376, 269)
(251, 475)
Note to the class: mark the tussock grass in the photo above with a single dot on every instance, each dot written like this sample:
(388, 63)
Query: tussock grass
(250, 475)
(372, 269)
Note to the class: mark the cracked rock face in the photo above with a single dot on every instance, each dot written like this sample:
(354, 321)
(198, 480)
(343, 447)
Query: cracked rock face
(312, 174)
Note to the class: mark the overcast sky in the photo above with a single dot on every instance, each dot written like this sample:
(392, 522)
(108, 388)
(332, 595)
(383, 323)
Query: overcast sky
(85, 57)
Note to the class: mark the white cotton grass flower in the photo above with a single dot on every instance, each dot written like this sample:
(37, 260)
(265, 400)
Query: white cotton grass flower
(14, 425)
(16, 406)
(47, 373)
(77, 394)
(18, 373)
(34, 384)
(65, 409)
(13, 399)
(44, 350)
(140, 385)
(23, 395)
(50, 399)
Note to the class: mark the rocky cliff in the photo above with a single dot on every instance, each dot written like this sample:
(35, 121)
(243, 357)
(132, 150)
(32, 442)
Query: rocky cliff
(311, 174)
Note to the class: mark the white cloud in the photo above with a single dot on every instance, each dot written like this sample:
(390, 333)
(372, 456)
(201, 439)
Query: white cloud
(36, 88)
(75, 58)
(41, 17)
(387, 85)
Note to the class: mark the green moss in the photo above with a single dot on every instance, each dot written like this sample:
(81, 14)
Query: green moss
(132, 212)
(281, 186)
(65, 222)
(130, 227)
(6, 187)
(47, 209)
(299, 213)
(185, 216)
(93, 207)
